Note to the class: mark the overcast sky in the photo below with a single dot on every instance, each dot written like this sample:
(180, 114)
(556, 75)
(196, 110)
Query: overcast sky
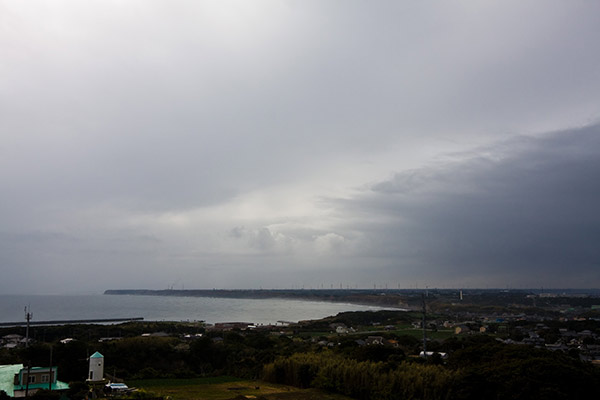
(248, 144)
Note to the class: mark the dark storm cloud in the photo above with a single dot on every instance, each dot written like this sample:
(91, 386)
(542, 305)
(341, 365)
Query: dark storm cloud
(526, 211)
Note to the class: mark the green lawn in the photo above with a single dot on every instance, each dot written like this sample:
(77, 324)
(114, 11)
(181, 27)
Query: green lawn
(406, 329)
(151, 383)
(439, 334)
(225, 388)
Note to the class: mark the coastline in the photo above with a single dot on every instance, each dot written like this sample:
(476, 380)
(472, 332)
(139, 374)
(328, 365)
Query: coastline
(394, 299)
(170, 308)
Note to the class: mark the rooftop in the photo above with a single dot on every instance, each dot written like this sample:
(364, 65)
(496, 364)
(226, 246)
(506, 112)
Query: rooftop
(7, 377)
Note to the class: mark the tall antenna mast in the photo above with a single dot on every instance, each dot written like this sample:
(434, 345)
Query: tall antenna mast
(28, 316)
(424, 332)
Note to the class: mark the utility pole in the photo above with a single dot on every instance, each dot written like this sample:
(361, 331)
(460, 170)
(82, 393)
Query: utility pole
(50, 373)
(27, 385)
(424, 332)
(28, 316)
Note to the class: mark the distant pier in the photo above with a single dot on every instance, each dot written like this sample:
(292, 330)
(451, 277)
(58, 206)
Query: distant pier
(71, 321)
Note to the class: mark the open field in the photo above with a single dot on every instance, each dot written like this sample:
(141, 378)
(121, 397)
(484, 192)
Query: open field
(225, 388)
(404, 329)
(440, 334)
(152, 383)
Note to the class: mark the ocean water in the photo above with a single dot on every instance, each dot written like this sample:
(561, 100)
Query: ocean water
(157, 308)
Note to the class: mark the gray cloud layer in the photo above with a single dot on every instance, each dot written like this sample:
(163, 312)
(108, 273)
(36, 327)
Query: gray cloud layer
(524, 213)
(235, 143)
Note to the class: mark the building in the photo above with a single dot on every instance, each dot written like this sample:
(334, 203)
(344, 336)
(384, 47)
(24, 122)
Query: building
(341, 330)
(7, 378)
(17, 380)
(116, 388)
(30, 380)
(424, 354)
(375, 340)
(461, 329)
(228, 326)
(12, 341)
(96, 372)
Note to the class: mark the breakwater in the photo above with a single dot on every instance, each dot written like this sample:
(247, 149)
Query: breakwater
(71, 321)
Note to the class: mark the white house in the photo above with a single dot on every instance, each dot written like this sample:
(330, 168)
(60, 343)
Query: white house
(96, 373)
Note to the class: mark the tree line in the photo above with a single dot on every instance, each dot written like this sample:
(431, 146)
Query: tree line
(477, 367)
(481, 369)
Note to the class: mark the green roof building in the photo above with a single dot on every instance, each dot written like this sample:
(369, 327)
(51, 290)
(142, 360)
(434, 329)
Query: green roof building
(7, 378)
(17, 380)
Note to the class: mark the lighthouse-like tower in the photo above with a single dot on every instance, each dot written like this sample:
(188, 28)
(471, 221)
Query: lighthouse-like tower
(96, 373)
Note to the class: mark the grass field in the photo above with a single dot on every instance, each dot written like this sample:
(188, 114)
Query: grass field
(225, 388)
(418, 333)
(409, 330)
(151, 383)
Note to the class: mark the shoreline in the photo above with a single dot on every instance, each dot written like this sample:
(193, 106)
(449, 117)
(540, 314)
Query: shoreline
(393, 299)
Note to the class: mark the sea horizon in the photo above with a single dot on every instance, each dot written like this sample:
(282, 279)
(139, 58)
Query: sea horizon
(567, 290)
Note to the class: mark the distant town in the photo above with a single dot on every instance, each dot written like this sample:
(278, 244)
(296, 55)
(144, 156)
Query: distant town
(459, 339)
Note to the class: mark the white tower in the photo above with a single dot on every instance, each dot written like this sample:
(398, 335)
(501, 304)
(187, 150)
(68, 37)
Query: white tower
(96, 373)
